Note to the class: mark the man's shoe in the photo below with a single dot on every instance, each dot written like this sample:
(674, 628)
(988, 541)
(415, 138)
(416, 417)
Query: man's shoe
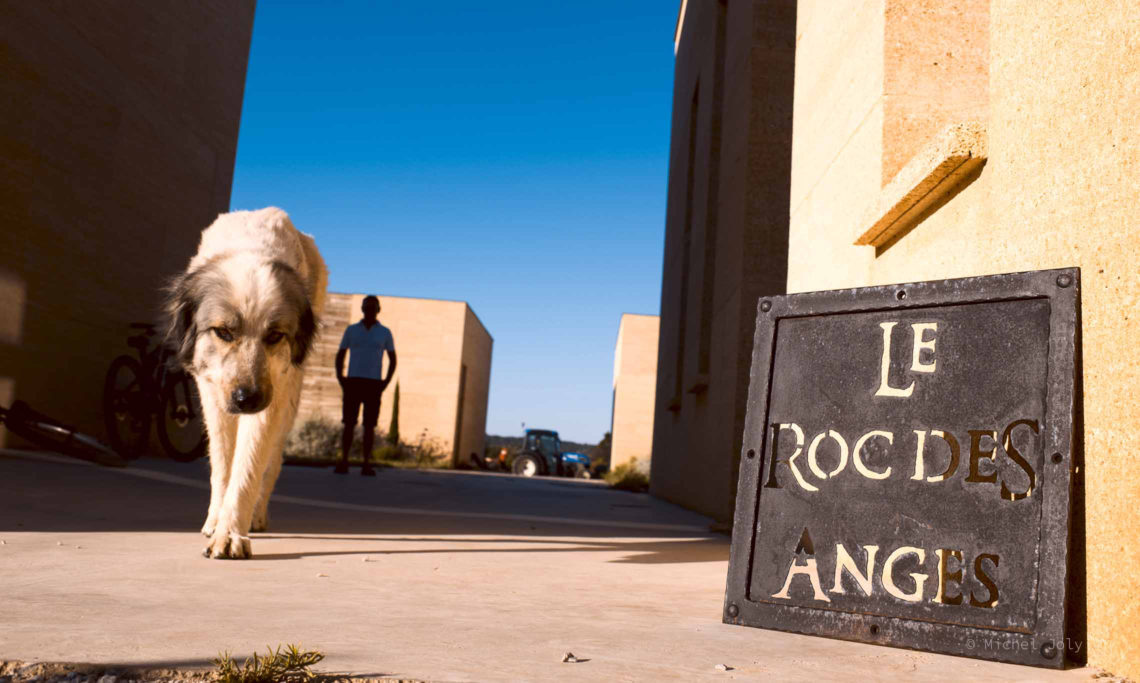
(368, 471)
(341, 468)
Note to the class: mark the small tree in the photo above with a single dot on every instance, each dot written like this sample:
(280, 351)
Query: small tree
(600, 454)
(394, 428)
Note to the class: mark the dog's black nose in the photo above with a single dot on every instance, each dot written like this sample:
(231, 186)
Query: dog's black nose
(246, 400)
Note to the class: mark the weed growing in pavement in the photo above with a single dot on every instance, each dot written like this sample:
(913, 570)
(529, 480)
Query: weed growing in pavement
(290, 666)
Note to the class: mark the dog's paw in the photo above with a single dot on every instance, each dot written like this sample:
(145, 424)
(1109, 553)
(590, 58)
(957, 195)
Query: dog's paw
(227, 545)
(210, 525)
(260, 521)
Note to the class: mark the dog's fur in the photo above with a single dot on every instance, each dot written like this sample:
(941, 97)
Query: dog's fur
(243, 317)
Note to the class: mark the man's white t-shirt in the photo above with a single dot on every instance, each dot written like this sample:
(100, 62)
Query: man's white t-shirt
(366, 349)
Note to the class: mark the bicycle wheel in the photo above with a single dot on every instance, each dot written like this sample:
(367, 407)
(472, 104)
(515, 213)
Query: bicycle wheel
(181, 428)
(40, 429)
(126, 410)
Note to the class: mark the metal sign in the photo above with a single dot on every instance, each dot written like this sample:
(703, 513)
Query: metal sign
(905, 475)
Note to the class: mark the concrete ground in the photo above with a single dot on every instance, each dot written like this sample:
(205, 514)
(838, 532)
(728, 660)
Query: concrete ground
(445, 576)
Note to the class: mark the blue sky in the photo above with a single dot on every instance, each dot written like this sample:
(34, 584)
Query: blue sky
(510, 154)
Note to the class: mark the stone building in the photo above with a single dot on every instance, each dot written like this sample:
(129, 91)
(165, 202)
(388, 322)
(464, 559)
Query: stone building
(635, 384)
(928, 139)
(117, 145)
(443, 369)
(726, 237)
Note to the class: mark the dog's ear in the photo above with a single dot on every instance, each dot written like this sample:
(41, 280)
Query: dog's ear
(293, 289)
(305, 336)
(182, 298)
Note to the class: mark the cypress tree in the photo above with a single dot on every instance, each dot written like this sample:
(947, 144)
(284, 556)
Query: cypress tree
(394, 428)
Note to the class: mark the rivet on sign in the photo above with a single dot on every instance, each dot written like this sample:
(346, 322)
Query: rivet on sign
(733, 610)
(1064, 280)
(901, 295)
(765, 306)
(1057, 457)
(1048, 650)
(751, 453)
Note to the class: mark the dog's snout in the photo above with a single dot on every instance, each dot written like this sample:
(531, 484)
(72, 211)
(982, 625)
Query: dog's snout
(247, 400)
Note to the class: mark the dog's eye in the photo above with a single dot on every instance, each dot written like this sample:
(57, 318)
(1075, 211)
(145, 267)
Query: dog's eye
(223, 334)
(274, 337)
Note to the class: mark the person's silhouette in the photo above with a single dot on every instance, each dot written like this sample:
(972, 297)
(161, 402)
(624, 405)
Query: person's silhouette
(367, 340)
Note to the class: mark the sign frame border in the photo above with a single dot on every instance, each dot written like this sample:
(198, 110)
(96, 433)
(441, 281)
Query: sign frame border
(1046, 646)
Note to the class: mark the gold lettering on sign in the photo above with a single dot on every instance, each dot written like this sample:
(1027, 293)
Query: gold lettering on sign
(792, 460)
(983, 446)
(807, 569)
(889, 579)
(918, 456)
(916, 365)
(1015, 455)
(945, 576)
(813, 462)
(863, 469)
(992, 600)
(921, 344)
(951, 568)
(844, 562)
(978, 453)
(885, 388)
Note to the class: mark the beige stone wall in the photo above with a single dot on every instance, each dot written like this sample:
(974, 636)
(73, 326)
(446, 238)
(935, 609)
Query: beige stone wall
(434, 339)
(725, 238)
(476, 359)
(117, 145)
(1059, 189)
(635, 384)
(839, 56)
(935, 72)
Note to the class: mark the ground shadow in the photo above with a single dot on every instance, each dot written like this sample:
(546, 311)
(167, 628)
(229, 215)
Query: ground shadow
(397, 507)
(642, 552)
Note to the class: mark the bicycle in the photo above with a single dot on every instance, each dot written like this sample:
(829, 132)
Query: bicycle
(136, 391)
(21, 420)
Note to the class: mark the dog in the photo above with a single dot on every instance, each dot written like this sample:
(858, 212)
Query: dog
(242, 319)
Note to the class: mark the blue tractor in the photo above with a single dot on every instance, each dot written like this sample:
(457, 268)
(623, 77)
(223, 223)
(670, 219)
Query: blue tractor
(542, 454)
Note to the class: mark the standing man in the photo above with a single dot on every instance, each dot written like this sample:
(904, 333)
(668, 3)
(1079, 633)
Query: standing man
(368, 340)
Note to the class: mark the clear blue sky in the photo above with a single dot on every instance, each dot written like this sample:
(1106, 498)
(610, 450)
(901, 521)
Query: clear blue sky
(510, 154)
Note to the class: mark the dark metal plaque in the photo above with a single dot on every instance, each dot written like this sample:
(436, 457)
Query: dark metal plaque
(907, 463)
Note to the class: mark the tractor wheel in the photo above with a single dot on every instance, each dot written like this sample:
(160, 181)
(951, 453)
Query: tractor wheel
(527, 466)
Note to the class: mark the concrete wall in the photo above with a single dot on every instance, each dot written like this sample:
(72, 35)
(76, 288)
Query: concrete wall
(118, 132)
(725, 237)
(635, 384)
(1058, 189)
(434, 340)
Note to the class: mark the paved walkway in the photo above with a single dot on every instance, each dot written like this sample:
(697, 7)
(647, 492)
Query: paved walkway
(428, 575)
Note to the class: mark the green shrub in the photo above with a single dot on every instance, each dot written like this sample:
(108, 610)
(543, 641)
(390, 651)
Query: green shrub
(600, 456)
(317, 438)
(629, 476)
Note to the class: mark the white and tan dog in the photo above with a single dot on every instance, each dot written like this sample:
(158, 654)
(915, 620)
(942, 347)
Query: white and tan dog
(243, 318)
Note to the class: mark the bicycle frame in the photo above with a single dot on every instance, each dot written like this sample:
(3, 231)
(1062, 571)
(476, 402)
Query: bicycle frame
(155, 364)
